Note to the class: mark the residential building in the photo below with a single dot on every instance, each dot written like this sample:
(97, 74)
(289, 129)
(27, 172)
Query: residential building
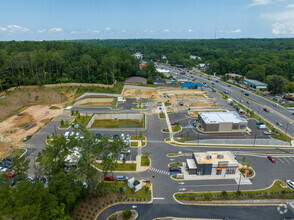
(212, 163)
(222, 122)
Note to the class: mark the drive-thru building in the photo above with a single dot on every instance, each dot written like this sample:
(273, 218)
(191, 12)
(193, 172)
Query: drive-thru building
(212, 163)
(222, 122)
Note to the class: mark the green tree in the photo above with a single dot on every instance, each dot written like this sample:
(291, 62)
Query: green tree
(276, 83)
(61, 123)
(126, 214)
(289, 87)
(20, 166)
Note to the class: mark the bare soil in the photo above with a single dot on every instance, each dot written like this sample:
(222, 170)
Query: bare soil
(200, 104)
(146, 93)
(188, 96)
(97, 103)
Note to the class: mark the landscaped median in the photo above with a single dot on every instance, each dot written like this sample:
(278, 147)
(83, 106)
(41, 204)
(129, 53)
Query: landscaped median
(120, 166)
(175, 128)
(135, 140)
(278, 190)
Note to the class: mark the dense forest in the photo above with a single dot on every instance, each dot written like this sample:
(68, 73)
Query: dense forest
(256, 57)
(38, 63)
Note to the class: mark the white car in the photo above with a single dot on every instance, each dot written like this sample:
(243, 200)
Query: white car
(122, 136)
(290, 184)
(66, 134)
(72, 133)
(3, 169)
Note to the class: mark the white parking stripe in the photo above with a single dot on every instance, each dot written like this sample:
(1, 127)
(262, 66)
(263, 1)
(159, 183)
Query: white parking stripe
(291, 158)
(280, 159)
(286, 160)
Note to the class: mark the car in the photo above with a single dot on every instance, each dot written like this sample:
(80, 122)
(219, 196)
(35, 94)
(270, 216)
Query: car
(36, 179)
(109, 178)
(271, 159)
(279, 124)
(3, 169)
(213, 90)
(12, 182)
(266, 110)
(29, 179)
(226, 92)
(248, 102)
(121, 178)
(10, 175)
(194, 124)
(43, 179)
(268, 132)
(126, 151)
(27, 138)
(128, 136)
(229, 85)
(7, 159)
(122, 136)
(174, 123)
(247, 94)
(242, 90)
(290, 184)
(111, 137)
(216, 81)
(259, 123)
(66, 134)
(241, 100)
(276, 105)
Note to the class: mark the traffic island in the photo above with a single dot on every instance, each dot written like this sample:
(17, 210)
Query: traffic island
(273, 194)
(138, 141)
(121, 215)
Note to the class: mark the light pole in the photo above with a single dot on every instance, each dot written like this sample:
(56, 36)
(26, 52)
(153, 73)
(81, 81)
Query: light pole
(239, 183)
(254, 139)
(287, 127)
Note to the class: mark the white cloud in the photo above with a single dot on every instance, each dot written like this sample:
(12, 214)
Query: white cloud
(190, 30)
(95, 31)
(41, 31)
(290, 6)
(283, 28)
(2, 29)
(284, 15)
(165, 30)
(236, 31)
(123, 31)
(148, 31)
(260, 2)
(107, 29)
(55, 30)
(16, 28)
(88, 31)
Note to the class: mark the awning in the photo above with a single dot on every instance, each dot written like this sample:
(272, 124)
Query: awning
(218, 168)
(247, 171)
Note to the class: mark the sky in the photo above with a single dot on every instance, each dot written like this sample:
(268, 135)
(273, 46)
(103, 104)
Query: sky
(128, 19)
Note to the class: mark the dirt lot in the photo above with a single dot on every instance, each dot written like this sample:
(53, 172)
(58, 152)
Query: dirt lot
(97, 103)
(12, 130)
(188, 96)
(201, 104)
(146, 93)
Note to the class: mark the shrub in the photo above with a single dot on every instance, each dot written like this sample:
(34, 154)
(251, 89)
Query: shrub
(61, 123)
(207, 197)
(127, 214)
(224, 194)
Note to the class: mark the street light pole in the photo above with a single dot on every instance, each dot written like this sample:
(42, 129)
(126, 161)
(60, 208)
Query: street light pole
(254, 140)
(239, 183)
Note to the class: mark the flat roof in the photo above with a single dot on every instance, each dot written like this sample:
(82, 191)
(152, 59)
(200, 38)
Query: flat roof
(227, 156)
(191, 164)
(255, 82)
(221, 117)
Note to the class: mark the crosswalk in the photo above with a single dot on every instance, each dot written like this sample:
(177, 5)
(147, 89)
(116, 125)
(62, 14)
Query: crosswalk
(158, 171)
(284, 160)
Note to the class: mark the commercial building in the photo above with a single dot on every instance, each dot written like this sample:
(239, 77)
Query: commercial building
(234, 76)
(222, 122)
(138, 55)
(212, 163)
(255, 83)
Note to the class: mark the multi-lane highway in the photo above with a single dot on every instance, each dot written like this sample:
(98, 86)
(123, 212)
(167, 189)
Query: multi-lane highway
(275, 114)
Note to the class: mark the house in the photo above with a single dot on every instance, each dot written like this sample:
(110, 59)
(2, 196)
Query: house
(136, 80)
(222, 122)
(212, 163)
(190, 85)
(132, 183)
(158, 82)
(170, 81)
(138, 55)
(165, 72)
(255, 84)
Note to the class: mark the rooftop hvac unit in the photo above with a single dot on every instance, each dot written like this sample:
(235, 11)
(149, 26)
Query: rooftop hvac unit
(220, 156)
(208, 157)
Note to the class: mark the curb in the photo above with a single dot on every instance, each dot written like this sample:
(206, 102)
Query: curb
(26, 150)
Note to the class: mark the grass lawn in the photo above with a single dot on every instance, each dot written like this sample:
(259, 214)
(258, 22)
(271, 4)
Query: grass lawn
(183, 140)
(177, 164)
(143, 138)
(161, 115)
(223, 95)
(134, 144)
(145, 161)
(168, 139)
(83, 120)
(53, 107)
(17, 153)
(167, 104)
(64, 126)
(176, 128)
(173, 155)
(274, 192)
(121, 167)
(112, 123)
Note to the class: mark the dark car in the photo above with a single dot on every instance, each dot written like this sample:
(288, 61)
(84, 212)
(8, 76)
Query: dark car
(259, 123)
(116, 136)
(271, 159)
(229, 85)
(266, 110)
(247, 94)
(36, 179)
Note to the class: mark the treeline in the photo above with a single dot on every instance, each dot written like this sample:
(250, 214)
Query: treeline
(38, 63)
(255, 58)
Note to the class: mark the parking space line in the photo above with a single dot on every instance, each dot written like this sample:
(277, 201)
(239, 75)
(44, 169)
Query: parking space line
(280, 159)
(291, 158)
(286, 160)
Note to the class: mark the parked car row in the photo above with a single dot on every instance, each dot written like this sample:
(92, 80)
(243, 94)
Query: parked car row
(6, 162)
(76, 135)
(112, 178)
